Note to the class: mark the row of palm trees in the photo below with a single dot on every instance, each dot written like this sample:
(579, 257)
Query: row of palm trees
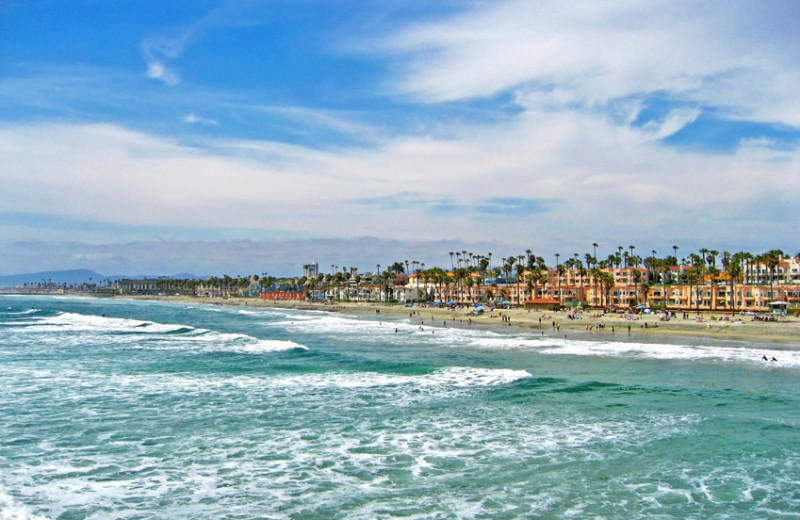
(696, 269)
(469, 269)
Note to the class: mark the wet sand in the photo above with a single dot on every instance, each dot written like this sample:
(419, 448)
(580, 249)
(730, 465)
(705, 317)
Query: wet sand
(589, 323)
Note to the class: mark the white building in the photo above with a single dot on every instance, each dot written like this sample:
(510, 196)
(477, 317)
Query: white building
(310, 270)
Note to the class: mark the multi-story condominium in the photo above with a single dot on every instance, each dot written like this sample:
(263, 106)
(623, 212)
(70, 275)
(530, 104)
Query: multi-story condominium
(310, 270)
(786, 272)
(759, 288)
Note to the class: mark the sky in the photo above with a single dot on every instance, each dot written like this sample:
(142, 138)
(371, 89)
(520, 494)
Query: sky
(237, 137)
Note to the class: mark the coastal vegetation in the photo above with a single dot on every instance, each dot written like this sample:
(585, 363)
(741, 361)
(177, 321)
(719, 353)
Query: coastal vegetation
(705, 279)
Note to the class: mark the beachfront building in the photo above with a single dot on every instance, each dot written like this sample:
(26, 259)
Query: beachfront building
(784, 270)
(310, 270)
(608, 287)
(155, 286)
(724, 296)
(679, 287)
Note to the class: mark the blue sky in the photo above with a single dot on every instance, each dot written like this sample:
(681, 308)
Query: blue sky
(143, 137)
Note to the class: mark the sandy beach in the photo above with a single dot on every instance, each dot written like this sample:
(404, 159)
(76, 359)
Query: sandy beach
(588, 323)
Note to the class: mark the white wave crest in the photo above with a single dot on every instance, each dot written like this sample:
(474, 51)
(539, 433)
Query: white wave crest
(68, 321)
(403, 387)
(243, 344)
(176, 335)
(10, 509)
(20, 313)
(454, 377)
(630, 349)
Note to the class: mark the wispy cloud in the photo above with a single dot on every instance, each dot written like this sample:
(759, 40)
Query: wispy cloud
(588, 54)
(194, 119)
(674, 121)
(160, 49)
(576, 173)
(513, 207)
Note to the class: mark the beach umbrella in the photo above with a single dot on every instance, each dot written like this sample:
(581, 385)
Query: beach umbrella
(640, 307)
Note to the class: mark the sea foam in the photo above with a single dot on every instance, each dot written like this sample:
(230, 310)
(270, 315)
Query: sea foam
(161, 335)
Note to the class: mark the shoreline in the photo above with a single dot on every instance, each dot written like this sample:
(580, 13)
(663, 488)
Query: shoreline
(588, 324)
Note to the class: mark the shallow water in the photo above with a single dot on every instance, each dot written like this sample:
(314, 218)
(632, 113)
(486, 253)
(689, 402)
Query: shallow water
(117, 409)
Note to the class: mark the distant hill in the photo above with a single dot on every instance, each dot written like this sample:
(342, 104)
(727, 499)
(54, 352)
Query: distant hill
(71, 277)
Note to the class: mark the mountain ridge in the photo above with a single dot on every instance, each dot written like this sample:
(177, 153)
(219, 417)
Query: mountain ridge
(72, 277)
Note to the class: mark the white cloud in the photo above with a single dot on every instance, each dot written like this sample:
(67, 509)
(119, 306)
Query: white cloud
(673, 122)
(604, 181)
(740, 55)
(194, 119)
(157, 70)
(159, 49)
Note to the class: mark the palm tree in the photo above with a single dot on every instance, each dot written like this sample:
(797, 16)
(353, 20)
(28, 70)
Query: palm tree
(732, 264)
(667, 279)
(310, 284)
(357, 279)
(596, 273)
(483, 265)
(520, 270)
(388, 276)
(747, 258)
(607, 282)
(469, 283)
(560, 273)
(713, 274)
(507, 266)
(582, 272)
(637, 279)
(694, 274)
(424, 280)
(653, 261)
(772, 259)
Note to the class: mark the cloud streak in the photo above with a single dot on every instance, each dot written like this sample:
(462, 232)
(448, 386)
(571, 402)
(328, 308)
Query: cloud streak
(194, 119)
(588, 54)
(160, 49)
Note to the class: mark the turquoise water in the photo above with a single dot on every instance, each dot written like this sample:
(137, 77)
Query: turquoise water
(116, 409)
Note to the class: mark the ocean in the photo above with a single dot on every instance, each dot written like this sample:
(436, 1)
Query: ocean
(140, 410)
